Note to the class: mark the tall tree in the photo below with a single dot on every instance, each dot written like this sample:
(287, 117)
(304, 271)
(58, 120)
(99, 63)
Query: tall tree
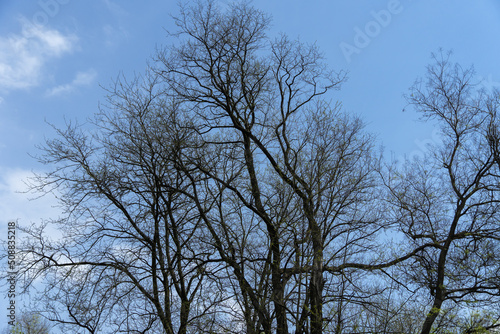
(450, 200)
(303, 169)
(128, 257)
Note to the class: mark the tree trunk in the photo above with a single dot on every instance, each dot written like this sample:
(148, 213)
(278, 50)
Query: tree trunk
(432, 315)
(316, 284)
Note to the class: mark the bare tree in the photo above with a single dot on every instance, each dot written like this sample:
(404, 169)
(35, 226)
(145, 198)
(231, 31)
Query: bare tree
(128, 257)
(303, 169)
(450, 200)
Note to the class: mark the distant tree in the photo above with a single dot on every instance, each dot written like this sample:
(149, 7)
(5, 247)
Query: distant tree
(30, 323)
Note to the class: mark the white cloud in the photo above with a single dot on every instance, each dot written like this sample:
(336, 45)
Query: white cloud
(81, 79)
(23, 56)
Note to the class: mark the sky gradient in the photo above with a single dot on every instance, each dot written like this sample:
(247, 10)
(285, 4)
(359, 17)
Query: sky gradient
(56, 55)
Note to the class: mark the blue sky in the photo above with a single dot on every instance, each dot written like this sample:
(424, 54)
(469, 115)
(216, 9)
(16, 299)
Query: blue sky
(56, 54)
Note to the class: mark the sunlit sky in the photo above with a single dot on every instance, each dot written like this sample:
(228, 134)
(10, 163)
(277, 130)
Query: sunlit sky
(56, 54)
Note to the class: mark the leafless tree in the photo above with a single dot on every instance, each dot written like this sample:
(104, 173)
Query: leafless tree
(450, 200)
(128, 255)
(302, 168)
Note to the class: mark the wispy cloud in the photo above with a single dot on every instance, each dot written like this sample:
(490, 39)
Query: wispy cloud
(116, 9)
(116, 31)
(23, 56)
(114, 35)
(17, 204)
(81, 79)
